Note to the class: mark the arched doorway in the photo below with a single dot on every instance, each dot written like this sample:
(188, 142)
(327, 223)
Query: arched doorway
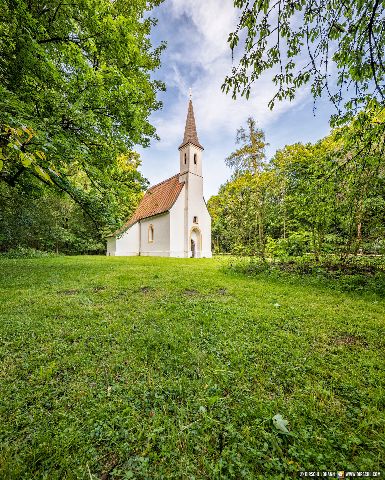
(195, 243)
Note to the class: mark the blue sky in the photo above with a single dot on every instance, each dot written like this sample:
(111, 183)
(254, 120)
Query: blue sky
(198, 56)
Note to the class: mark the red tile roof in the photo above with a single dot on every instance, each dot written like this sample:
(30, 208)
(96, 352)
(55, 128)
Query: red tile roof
(158, 199)
(190, 131)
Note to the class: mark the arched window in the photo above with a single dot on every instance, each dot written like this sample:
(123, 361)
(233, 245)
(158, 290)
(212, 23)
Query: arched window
(185, 158)
(150, 233)
(195, 158)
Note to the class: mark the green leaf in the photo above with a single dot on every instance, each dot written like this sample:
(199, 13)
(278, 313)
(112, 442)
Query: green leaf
(26, 159)
(91, 99)
(280, 423)
(42, 173)
(40, 154)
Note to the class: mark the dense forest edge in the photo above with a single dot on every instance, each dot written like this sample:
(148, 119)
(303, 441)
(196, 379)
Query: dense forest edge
(309, 200)
(75, 104)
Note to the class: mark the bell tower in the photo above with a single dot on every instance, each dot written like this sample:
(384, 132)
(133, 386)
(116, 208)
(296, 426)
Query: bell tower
(190, 150)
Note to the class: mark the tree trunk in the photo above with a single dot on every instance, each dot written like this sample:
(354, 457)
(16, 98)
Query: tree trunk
(314, 242)
(359, 238)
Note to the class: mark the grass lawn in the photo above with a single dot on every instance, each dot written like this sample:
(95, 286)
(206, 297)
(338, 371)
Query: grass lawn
(119, 368)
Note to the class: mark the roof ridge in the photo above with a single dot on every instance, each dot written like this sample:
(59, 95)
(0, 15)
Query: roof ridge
(163, 181)
(158, 199)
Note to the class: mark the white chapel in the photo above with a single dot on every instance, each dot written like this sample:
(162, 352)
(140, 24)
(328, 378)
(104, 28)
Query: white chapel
(172, 219)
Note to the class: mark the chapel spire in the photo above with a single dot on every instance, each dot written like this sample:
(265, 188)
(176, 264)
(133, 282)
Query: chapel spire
(190, 131)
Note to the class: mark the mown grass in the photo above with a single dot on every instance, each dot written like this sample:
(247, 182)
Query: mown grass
(117, 368)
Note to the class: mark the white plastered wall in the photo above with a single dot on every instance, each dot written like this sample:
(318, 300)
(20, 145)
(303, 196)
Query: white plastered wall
(128, 244)
(186, 159)
(177, 213)
(160, 246)
(196, 207)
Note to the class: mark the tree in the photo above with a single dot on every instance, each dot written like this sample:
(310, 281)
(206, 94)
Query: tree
(248, 162)
(35, 216)
(323, 198)
(310, 191)
(358, 164)
(75, 96)
(303, 42)
(243, 213)
(249, 157)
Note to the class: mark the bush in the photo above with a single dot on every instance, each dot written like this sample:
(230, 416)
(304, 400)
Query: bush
(242, 250)
(376, 247)
(294, 245)
(26, 252)
(354, 274)
(276, 248)
(247, 265)
(332, 243)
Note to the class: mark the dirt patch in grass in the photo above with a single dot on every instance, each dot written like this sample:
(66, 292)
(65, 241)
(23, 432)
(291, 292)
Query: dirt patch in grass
(348, 340)
(99, 288)
(191, 292)
(69, 292)
(111, 461)
(146, 289)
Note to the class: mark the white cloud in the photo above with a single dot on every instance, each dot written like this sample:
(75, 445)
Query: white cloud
(202, 46)
(198, 56)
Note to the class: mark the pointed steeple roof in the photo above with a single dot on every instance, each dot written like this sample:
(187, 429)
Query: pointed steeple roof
(190, 131)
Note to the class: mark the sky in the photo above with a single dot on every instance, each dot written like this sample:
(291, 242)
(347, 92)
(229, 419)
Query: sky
(198, 57)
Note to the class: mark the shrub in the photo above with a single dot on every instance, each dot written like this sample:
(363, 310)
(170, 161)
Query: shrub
(376, 247)
(294, 245)
(26, 252)
(276, 248)
(354, 274)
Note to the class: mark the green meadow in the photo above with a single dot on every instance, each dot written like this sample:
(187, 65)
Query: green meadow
(151, 368)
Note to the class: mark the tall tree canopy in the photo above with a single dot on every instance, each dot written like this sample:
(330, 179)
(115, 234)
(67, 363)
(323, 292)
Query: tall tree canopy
(251, 180)
(249, 157)
(323, 198)
(305, 41)
(76, 94)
